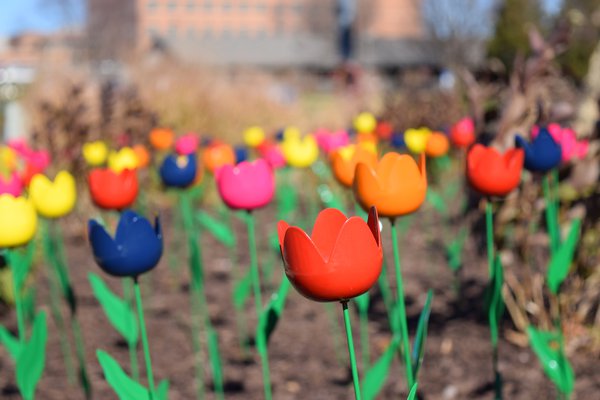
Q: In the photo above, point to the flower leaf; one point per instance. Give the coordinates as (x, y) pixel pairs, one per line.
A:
(562, 259)
(162, 390)
(10, 342)
(421, 336)
(215, 356)
(242, 290)
(32, 358)
(547, 347)
(376, 376)
(454, 250)
(117, 310)
(494, 298)
(362, 302)
(218, 229)
(437, 201)
(270, 316)
(125, 387)
(413, 392)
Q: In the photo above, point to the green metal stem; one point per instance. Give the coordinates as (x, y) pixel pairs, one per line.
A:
(489, 230)
(551, 217)
(18, 305)
(133, 359)
(262, 347)
(402, 308)
(80, 351)
(140, 310)
(337, 345)
(355, 378)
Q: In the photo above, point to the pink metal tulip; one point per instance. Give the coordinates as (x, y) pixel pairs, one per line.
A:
(186, 144)
(12, 186)
(272, 154)
(247, 186)
(331, 141)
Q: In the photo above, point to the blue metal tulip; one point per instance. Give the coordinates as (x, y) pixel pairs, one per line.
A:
(136, 248)
(397, 140)
(178, 171)
(241, 153)
(542, 154)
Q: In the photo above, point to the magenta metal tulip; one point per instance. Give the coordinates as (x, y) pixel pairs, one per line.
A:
(246, 186)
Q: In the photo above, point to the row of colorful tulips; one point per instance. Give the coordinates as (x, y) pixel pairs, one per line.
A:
(341, 260)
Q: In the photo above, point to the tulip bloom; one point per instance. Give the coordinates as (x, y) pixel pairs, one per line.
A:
(111, 190)
(187, 144)
(365, 122)
(384, 130)
(246, 186)
(340, 260)
(217, 155)
(179, 171)
(462, 133)
(18, 220)
(492, 173)
(241, 153)
(331, 141)
(254, 136)
(142, 155)
(272, 154)
(12, 186)
(542, 154)
(567, 139)
(437, 145)
(344, 161)
(36, 162)
(161, 138)
(300, 152)
(126, 158)
(8, 158)
(53, 199)
(416, 139)
(396, 186)
(95, 153)
(135, 249)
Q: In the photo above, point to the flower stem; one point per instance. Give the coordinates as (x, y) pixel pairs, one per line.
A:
(140, 310)
(489, 230)
(133, 361)
(262, 347)
(355, 378)
(402, 307)
(551, 218)
(17, 296)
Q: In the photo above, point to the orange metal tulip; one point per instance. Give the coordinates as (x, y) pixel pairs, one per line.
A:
(437, 145)
(161, 138)
(345, 159)
(396, 186)
(217, 155)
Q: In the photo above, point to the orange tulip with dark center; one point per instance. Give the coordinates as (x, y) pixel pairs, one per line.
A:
(396, 186)
(161, 138)
(340, 260)
(437, 145)
(344, 160)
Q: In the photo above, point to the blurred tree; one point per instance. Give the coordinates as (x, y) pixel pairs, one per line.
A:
(515, 18)
(584, 19)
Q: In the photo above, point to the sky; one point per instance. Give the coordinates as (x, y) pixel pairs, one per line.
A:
(47, 15)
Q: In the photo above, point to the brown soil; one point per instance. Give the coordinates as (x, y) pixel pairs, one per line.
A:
(302, 356)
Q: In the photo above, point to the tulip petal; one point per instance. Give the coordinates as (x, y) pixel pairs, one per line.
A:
(300, 255)
(373, 223)
(282, 228)
(326, 229)
(104, 247)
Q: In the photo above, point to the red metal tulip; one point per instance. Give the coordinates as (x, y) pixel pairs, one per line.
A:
(111, 190)
(492, 173)
(340, 260)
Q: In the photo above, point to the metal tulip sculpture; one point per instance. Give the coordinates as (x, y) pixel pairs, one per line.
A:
(339, 261)
(249, 186)
(494, 174)
(135, 249)
(18, 224)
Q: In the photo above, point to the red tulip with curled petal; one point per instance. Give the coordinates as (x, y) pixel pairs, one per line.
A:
(492, 173)
(111, 190)
(340, 260)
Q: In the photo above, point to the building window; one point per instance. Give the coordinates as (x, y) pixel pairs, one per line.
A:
(208, 5)
(244, 6)
(226, 6)
(191, 5)
(172, 5)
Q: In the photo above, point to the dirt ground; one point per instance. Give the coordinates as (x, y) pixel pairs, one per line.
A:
(302, 352)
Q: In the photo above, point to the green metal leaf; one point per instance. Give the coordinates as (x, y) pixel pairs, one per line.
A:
(454, 250)
(421, 336)
(287, 200)
(561, 261)
(215, 357)
(494, 298)
(329, 198)
(274, 241)
(117, 310)
(549, 350)
(376, 376)
(362, 302)
(272, 312)
(242, 290)
(21, 262)
(220, 230)
(162, 390)
(413, 392)
(32, 358)
(28, 304)
(10, 343)
(125, 387)
(437, 201)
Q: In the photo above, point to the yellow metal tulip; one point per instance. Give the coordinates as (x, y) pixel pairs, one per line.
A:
(18, 220)
(8, 158)
(416, 139)
(126, 158)
(53, 199)
(365, 122)
(254, 136)
(300, 152)
(95, 153)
